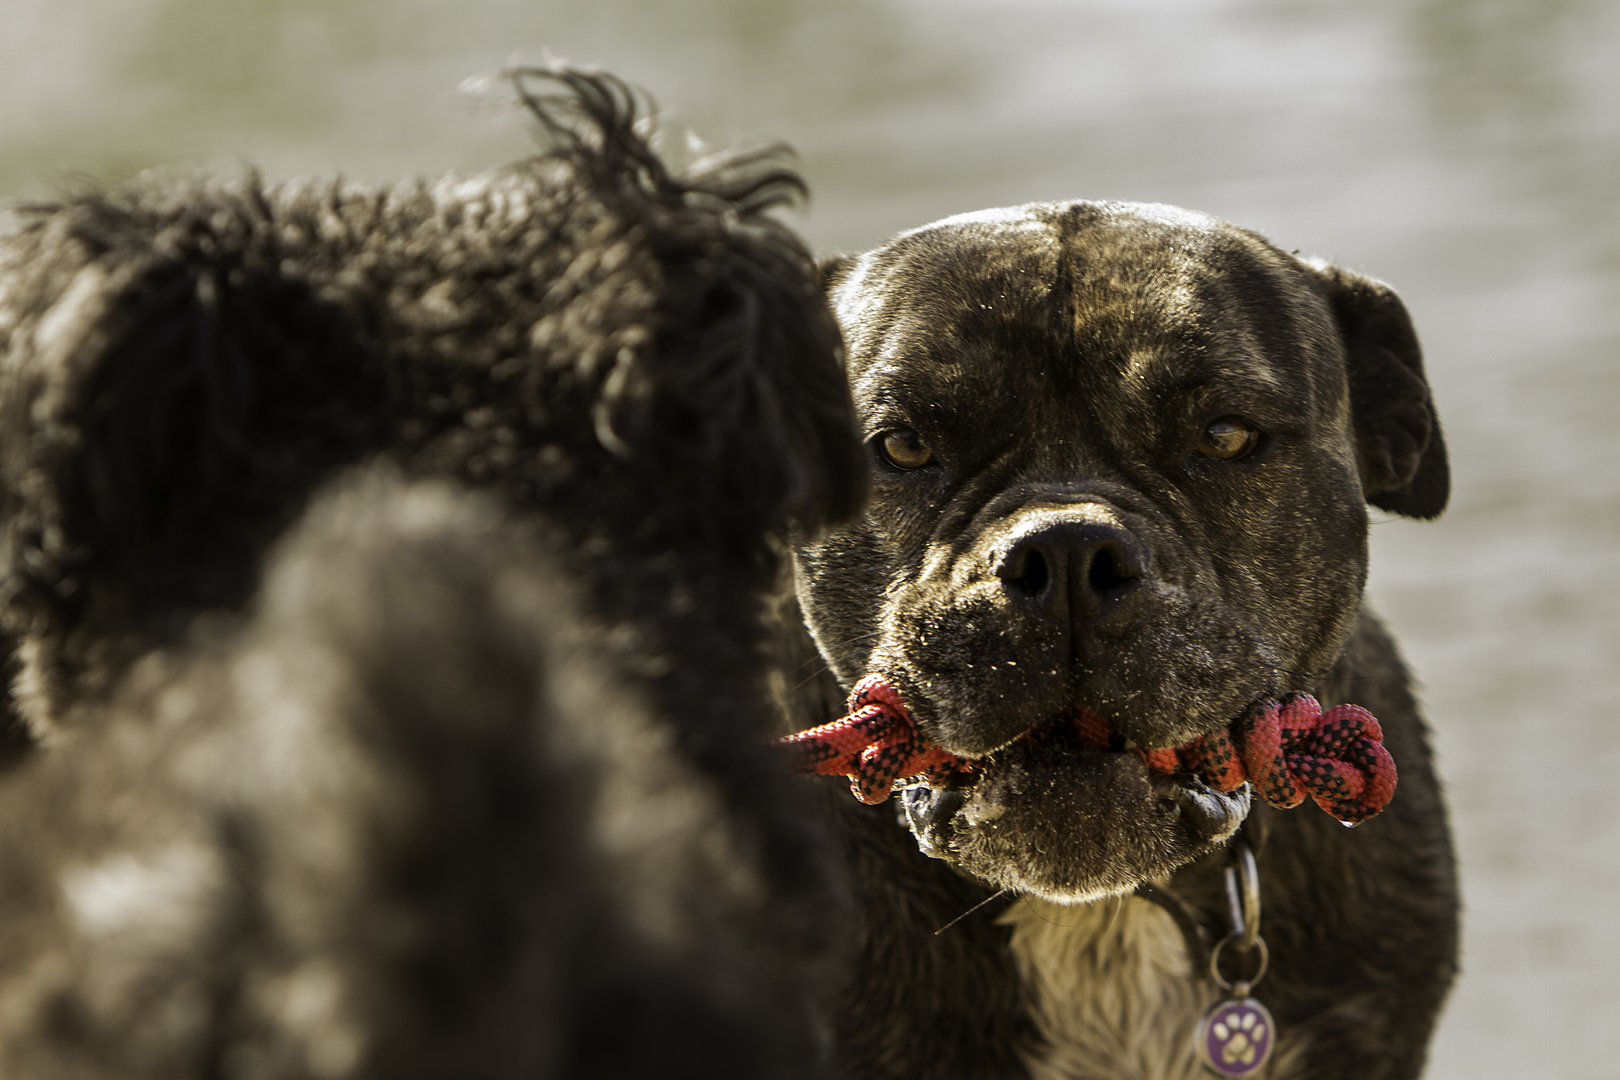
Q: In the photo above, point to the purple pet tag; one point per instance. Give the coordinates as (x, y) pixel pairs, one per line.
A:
(1235, 1037)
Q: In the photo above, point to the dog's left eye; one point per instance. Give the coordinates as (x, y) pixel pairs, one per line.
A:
(904, 449)
(1228, 439)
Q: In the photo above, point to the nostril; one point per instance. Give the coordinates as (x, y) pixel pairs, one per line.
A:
(1032, 582)
(1072, 566)
(1110, 576)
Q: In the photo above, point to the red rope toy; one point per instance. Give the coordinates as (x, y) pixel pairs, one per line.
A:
(1287, 749)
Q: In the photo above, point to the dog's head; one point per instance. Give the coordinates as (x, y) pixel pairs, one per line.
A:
(639, 354)
(1120, 458)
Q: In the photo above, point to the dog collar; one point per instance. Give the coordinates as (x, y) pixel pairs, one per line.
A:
(1235, 1036)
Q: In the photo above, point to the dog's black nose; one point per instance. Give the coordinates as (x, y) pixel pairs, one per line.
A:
(1081, 568)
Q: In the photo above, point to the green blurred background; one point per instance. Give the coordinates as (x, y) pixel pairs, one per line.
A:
(1464, 150)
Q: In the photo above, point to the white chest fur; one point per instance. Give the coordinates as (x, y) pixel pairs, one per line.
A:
(1112, 991)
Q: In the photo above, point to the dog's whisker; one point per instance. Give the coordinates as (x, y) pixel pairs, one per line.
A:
(993, 896)
(1035, 911)
(822, 667)
(860, 637)
(1116, 904)
(812, 677)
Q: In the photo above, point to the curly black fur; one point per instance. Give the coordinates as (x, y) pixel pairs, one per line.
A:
(474, 779)
(187, 362)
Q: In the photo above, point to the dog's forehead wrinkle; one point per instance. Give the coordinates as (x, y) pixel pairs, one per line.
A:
(1145, 367)
(1233, 359)
(961, 410)
(898, 388)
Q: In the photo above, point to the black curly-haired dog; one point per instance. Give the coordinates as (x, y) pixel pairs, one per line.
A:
(386, 572)
(1121, 457)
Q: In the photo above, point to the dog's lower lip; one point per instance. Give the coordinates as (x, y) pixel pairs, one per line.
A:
(1210, 814)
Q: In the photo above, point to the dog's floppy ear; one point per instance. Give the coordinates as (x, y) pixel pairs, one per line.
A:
(800, 401)
(740, 392)
(1399, 448)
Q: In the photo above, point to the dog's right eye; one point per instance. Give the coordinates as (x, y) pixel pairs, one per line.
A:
(1228, 438)
(904, 449)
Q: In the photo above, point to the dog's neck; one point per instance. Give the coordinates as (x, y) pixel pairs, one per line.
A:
(1111, 990)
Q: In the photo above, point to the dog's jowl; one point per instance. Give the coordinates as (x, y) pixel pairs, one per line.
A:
(1121, 457)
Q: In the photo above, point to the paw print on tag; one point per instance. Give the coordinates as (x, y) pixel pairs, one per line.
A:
(1235, 1037)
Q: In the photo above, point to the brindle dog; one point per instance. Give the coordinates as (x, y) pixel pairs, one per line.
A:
(1121, 457)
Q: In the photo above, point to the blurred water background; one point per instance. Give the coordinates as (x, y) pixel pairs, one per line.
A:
(1464, 150)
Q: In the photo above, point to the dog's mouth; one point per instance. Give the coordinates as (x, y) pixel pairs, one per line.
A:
(1042, 766)
(1071, 810)
(1072, 762)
